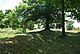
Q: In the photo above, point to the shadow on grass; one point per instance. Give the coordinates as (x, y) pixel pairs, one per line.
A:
(73, 34)
(42, 42)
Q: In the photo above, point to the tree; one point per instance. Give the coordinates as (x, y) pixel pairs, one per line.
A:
(50, 9)
(24, 12)
(43, 9)
(1, 17)
(11, 19)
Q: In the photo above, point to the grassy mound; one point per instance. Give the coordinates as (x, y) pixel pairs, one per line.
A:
(44, 42)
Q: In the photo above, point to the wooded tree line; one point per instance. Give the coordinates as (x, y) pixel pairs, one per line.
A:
(30, 11)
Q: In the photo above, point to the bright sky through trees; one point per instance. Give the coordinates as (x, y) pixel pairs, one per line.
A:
(8, 4)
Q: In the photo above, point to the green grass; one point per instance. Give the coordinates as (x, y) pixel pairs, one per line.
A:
(6, 35)
(44, 42)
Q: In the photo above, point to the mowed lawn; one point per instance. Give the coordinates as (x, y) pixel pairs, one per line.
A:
(43, 42)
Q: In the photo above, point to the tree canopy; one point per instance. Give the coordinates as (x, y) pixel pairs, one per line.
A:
(33, 10)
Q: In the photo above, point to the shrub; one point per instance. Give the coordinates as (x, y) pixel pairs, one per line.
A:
(30, 25)
(69, 25)
(11, 31)
(18, 31)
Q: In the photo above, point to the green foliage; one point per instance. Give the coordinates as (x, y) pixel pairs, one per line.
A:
(69, 25)
(18, 31)
(1, 17)
(44, 9)
(11, 19)
(11, 31)
(30, 25)
(50, 10)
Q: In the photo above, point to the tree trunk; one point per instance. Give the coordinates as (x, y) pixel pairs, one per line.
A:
(63, 19)
(47, 24)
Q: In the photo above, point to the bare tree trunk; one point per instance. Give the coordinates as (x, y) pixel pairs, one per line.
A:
(47, 24)
(63, 19)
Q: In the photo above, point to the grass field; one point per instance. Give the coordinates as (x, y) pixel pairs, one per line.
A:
(43, 42)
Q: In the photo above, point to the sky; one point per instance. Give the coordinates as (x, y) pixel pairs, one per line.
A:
(8, 4)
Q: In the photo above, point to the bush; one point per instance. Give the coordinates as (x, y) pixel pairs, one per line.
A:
(30, 25)
(69, 25)
(11, 31)
(6, 30)
(18, 31)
